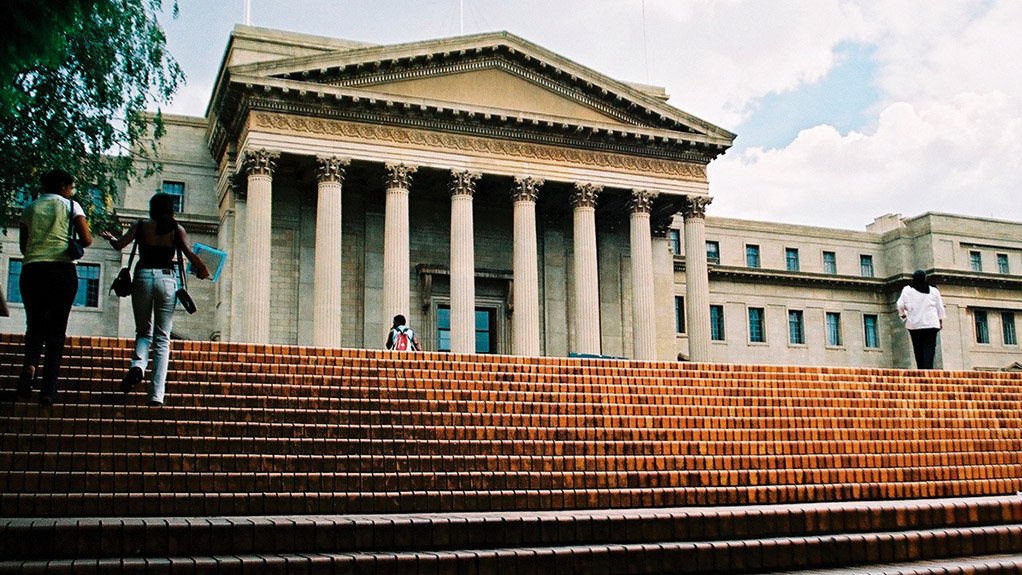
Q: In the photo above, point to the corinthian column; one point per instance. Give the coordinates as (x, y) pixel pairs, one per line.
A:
(396, 265)
(697, 282)
(463, 274)
(259, 164)
(326, 278)
(587, 287)
(643, 313)
(525, 321)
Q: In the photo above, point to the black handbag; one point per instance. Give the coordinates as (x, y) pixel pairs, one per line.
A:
(75, 249)
(182, 292)
(122, 285)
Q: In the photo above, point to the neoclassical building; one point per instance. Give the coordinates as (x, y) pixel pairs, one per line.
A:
(509, 200)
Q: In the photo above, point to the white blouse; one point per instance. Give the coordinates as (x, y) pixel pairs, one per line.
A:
(921, 310)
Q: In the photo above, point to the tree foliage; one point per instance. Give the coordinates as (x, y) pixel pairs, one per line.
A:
(74, 95)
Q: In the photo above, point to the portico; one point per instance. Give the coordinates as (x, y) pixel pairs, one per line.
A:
(370, 186)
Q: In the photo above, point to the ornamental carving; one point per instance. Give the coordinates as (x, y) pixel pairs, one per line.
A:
(261, 162)
(695, 206)
(585, 195)
(526, 189)
(399, 176)
(492, 146)
(641, 201)
(660, 225)
(331, 169)
(463, 183)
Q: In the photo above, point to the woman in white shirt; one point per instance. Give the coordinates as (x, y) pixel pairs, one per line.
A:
(922, 309)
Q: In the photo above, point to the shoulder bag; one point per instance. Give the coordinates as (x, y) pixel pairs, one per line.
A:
(122, 285)
(182, 292)
(75, 249)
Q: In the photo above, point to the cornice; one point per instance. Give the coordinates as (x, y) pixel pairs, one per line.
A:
(192, 223)
(427, 139)
(940, 277)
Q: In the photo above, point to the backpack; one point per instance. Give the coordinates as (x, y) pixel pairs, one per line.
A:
(403, 339)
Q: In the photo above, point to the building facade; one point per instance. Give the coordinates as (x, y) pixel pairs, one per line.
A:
(509, 200)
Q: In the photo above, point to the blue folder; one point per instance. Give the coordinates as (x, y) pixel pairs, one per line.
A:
(212, 257)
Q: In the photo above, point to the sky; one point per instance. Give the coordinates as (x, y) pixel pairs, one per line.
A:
(845, 110)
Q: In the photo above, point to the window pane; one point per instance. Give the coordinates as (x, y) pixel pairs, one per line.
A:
(829, 263)
(756, 333)
(679, 314)
(717, 323)
(177, 190)
(752, 256)
(833, 329)
(14, 281)
(796, 330)
(675, 238)
(866, 266)
(713, 252)
(982, 330)
(484, 332)
(1008, 328)
(482, 342)
(443, 328)
(871, 333)
(1002, 263)
(88, 286)
(976, 261)
(791, 259)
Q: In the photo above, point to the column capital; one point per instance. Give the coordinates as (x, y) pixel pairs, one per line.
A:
(399, 175)
(695, 206)
(526, 189)
(641, 201)
(331, 168)
(661, 225)
(260, 162)
(585, 195)
(463, 183)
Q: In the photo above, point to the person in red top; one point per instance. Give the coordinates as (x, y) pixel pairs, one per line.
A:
(401, 337)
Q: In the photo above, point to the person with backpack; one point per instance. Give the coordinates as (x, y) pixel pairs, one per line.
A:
(401, 337)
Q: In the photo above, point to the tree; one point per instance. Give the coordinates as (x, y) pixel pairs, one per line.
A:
(74, 94)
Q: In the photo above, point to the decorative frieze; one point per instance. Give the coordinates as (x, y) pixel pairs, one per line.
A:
(585, 195)
(261, 162)
(526, 189)
(463, 183)
(431, 140)
(695, 206)
(641, 201)
(399, 176)
(331, 169)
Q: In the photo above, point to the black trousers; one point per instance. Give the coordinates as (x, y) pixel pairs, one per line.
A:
(48, 291)
(924, 344)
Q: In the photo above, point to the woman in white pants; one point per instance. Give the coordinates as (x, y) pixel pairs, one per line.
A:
(154, 289)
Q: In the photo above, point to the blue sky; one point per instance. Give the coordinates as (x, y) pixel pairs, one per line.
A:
(873, 106)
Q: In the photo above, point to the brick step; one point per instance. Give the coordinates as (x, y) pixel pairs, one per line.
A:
(210, 395)
(439, 462)
(977, 565)
(137, 504)
(115, 537)
(511, 479)
(567, 428)
(82, 442)
(371, 410)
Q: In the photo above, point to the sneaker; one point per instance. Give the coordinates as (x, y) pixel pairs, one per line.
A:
(154, 403)
(131, 379)
(25, 384)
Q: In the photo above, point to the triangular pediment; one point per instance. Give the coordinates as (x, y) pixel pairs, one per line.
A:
(494, 88)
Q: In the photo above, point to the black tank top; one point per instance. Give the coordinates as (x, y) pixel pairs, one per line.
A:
(156, 257)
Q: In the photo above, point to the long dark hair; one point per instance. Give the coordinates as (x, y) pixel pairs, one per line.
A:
(919, 282)
(161, 211)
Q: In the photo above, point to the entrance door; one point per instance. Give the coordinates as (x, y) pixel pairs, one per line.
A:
(486, 329)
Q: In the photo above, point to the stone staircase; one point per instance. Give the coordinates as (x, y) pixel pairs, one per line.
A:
(291, 459)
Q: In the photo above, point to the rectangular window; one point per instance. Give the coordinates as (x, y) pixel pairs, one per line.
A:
(177, 191)
(717, 322)
(796, 327)
(443, 328)
(833, 329)
(976, 261)
(866, 266)
(675, 238)
(757, 333)
(1002, 264)
(752, 256)
(88, 284)
(791, 259)
(679, 314)
(871, 331)
(982, 329)
(484, 331)
(1008, 328)
(713, 252)
(829, 263)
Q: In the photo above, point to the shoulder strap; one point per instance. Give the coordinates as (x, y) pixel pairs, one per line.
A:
(70, 219)
(181, 269)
